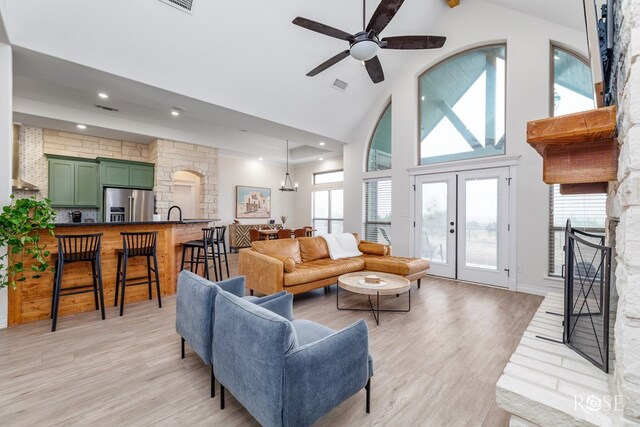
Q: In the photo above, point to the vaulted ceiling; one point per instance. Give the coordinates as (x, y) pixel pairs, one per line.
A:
(234, 65)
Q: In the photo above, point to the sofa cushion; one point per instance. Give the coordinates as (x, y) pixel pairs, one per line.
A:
(279, 247)
(372, 248)
(289, 264)
(313, 248)
(395, 264)
(322, 269)
(282, 305)
(308, 331)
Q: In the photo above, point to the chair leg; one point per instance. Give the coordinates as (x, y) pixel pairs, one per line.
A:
(368, 389)
(125, 261)
(56, 297)
(115, 301)
(419, 280)
(181, 348)
(251, 292)
(213, 383)
(221, 396)
(149, 277)
(100, 288)
(157, 275)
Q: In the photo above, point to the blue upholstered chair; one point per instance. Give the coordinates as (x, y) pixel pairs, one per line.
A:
(286, 372)
(195, 311)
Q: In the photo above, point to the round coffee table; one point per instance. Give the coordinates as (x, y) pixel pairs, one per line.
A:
(393, 285)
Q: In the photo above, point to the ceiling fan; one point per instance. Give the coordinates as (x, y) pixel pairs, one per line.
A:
(365, 44)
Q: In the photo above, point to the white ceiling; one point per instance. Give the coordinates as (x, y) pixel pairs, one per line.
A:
(233, 65)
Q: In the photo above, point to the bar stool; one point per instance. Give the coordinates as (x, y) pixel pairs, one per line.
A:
(77, 248)
(204, 245)
(219, 240)
(137, 245)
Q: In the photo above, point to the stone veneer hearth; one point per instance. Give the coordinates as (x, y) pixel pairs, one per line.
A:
(168, 156)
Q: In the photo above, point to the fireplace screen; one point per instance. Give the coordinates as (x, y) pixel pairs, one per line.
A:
(587, 280)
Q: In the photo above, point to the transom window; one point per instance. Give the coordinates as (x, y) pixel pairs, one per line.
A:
(462, 107)
(328, 177)
(572, 91)
(379, 157)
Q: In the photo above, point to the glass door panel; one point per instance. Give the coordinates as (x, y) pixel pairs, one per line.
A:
(481, 236)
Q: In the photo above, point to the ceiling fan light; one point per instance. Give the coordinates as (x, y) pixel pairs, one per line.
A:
(364, 50)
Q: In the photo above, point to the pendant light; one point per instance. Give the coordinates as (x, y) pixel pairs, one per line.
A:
(287, 184)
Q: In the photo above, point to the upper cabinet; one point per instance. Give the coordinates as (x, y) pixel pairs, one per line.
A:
(122, 173)
(73, 182)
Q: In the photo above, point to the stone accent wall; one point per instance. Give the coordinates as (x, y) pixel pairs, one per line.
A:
(168, 156)
(79, 145)
(171, 157)
(624, 203)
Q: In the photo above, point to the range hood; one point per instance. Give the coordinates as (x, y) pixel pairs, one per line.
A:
(16, 182)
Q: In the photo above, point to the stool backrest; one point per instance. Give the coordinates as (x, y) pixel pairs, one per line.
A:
(140, 244)
(220, 231)
(80, 247)
(208, 235)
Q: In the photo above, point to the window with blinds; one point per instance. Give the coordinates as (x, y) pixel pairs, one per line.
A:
(377, 211)
(572, 92)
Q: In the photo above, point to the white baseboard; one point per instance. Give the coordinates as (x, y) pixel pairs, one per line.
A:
(528, 289)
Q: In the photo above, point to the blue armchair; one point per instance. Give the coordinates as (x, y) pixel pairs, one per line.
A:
(287, 373)
(195, 312)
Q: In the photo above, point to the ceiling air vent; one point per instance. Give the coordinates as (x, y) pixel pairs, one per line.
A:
(183, 5)
(340, 85)
(104, 107)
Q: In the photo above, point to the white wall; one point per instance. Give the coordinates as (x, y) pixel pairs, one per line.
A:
(528, 42)
(238, 171)
(304, 175)
(6, 134)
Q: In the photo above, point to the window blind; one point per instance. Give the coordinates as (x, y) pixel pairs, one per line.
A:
(377, 210)
(586, 212)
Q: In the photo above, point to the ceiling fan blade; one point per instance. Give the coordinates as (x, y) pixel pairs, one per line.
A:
(413, 42)
(374, 68)
(385, 12)
(328, 63)
(322, 29)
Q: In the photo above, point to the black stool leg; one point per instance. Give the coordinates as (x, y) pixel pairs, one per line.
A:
(155, 268)
(56, 298)
(94, 280)
(206, 261)
(53, 293)
(115, 301)
(125, 261)
(226, 260)
(368, 389)
(219, 254)
(213, 258)
(149, 277)
(100, 290)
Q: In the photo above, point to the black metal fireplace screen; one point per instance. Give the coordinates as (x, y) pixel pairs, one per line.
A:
(587, 288)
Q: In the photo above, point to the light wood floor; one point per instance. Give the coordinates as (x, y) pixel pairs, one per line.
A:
(436, 365)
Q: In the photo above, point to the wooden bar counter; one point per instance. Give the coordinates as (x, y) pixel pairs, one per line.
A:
(31, 300)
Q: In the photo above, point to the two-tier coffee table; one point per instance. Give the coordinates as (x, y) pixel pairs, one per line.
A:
(392, 285)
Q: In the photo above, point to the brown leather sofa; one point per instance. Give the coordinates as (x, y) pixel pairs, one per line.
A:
(300, 265)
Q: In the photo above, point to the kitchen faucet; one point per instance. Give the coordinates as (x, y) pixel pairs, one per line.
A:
(169, 213)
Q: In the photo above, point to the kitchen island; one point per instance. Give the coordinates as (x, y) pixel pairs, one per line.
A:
(31, 300)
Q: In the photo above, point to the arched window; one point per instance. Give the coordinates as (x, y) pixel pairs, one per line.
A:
(379, 157)
(462, 106)
(572, 91)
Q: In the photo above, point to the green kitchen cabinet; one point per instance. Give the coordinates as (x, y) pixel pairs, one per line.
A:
(86, 184)
(73, 183)
(127, 174)
(61, 182)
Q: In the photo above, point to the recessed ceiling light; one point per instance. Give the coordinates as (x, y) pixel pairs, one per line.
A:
(103, 95)
(79, 126)
(175, 113)
(321, 158)
(260, 158)
(321, 143)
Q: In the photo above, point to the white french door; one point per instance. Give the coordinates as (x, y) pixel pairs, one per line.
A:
(462, 224)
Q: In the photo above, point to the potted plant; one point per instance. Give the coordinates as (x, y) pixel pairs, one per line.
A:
(20, 225)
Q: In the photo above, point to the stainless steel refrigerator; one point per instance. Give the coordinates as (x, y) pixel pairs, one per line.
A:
(127, 205)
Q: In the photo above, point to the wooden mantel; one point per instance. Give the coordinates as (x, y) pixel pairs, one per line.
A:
(580, 151)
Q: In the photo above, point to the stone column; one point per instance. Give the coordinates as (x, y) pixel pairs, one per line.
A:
(6, 135)
(624, 202)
